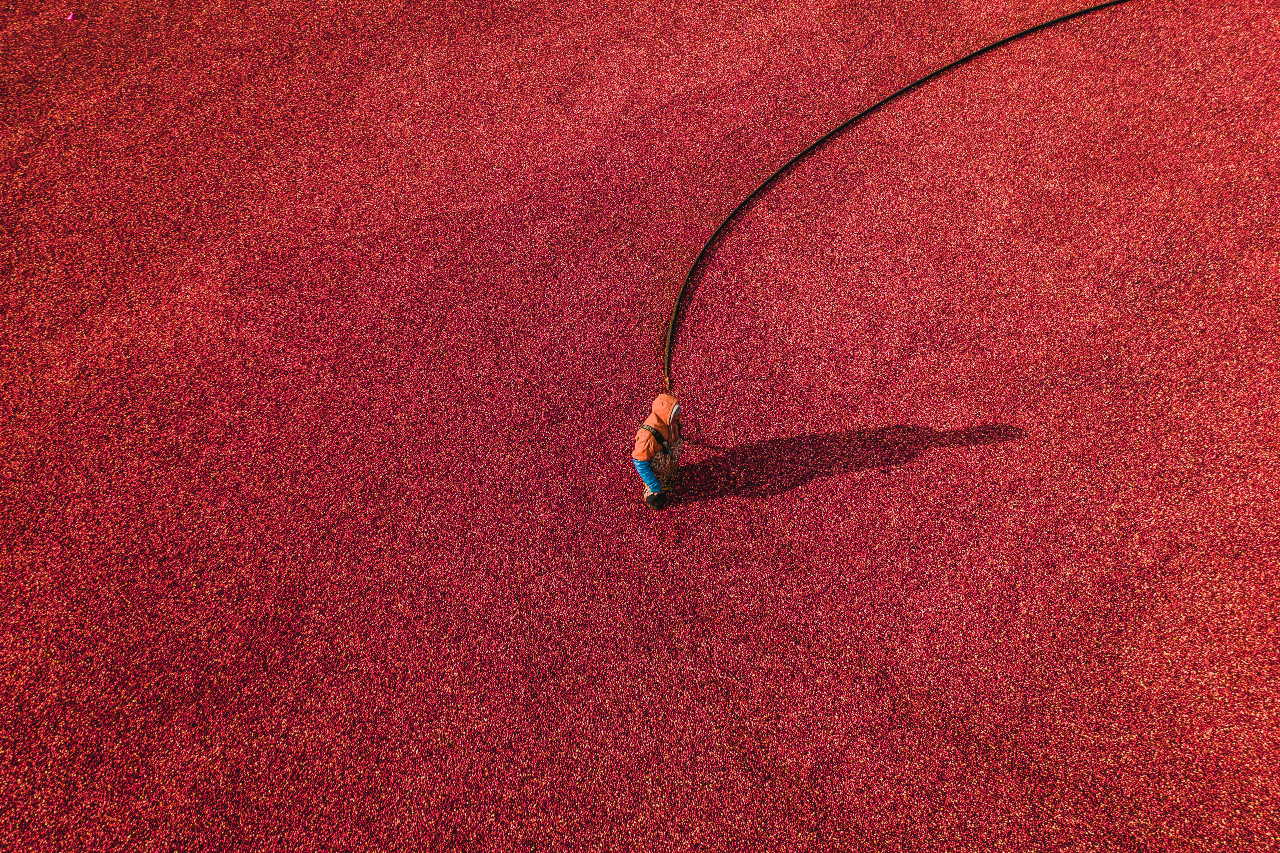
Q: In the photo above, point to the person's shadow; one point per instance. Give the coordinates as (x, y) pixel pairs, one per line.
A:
(771, 467)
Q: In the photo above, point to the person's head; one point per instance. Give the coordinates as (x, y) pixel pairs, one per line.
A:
(667, 408)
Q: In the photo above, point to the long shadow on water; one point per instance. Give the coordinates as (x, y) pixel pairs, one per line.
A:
(777, 465)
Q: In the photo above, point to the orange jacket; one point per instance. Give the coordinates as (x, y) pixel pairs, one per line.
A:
(660, 418)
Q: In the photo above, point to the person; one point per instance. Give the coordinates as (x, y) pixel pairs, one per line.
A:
(657, 450)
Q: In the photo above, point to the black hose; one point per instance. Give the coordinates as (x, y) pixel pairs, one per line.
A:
(790, 164)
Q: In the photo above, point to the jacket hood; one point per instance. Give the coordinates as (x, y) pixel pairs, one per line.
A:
(663, 406)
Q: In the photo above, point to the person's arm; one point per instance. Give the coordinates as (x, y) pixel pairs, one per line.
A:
(645, 470)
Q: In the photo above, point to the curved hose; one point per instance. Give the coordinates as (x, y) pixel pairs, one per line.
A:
(790, 164)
